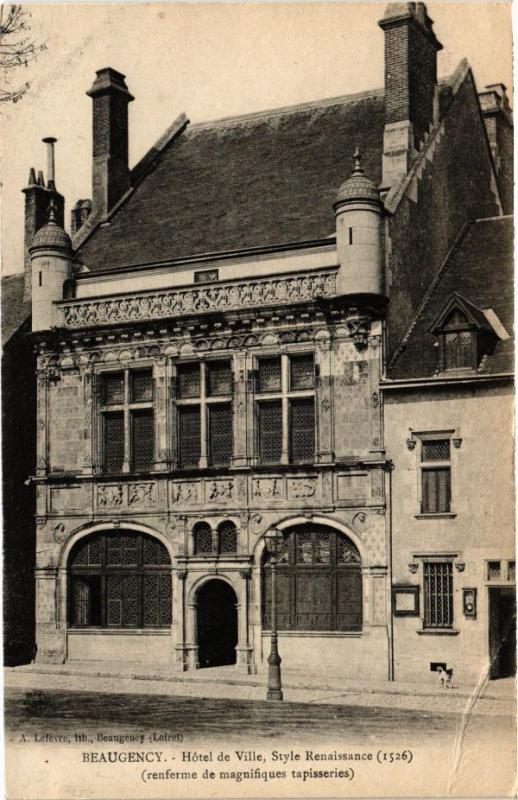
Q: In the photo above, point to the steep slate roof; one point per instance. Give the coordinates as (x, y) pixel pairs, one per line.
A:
(15, 310)
(481, 271)
(262, 179)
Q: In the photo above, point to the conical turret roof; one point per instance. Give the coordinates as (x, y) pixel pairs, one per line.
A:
(51, 234)
(357, 186)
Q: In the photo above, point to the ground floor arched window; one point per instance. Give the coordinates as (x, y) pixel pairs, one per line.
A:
(318, 582)
(119, 580)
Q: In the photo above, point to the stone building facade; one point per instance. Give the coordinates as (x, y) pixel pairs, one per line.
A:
(218, 348)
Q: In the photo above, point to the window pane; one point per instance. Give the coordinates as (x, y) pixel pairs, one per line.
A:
(438, 594)
(142, 439)
(113, 442)
(220, 435)
(157, 600)
(227, 537)
(85, 599)
(459, 349)
(122, 549)
(493, 570)
(511, 571)
(219, 378)
(270, 374)
(141, 386)
(122, 601)
(270, 432)
(189, 380)
(154, 552)
(189, 448)
(113, 388)
(302, 430)
(436, 450)
(349, 601)
(435, 490)
(87, 552)
(302, 372)
(202, 535)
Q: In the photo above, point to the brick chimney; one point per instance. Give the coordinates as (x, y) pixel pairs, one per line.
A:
(110, 172)
(411, 98)
(498, 119)
(38, 198)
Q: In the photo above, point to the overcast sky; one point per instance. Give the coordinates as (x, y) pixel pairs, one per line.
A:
(210, 61)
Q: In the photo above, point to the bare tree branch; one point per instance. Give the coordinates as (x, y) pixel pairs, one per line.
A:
(17, 49)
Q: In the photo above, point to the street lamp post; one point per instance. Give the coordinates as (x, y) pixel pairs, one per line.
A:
(274, 692)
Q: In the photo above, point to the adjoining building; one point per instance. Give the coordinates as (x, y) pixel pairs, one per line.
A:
(241, 335)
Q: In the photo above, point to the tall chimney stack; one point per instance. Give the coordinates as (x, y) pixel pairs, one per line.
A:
(50, 141)
(110, 172)
(411, 95)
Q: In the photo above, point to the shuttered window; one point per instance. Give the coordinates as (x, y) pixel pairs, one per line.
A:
(435, 476)
(318, 582)
(438, 594)
(119, 580)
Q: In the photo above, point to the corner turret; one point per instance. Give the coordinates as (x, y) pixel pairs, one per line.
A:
(51, 257)
(358, 210)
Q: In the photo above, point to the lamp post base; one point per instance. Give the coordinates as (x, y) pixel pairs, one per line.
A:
(274, 691)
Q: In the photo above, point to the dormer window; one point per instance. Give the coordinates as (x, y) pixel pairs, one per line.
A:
(459, 343)
(465, 334)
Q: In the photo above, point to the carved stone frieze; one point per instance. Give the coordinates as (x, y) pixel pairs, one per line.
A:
(109, 496)
(217, 491)
(267, 489)
(141, 494)
(184, 492)
(177, 302)
(301, 488)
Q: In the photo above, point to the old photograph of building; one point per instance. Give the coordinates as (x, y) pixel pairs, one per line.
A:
(258, 398)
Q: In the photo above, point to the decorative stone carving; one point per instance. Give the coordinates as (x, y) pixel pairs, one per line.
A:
(141, 494)
(246, 574)
(176, 302)
(181, 574)
(325, 405)
(185, 492)
(219, 490)
(460, 566)
(300, 488)
(109, 495)
(413, 567)
(267, 489)
(58, 532)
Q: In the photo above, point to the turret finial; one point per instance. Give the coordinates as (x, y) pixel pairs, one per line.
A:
(357, 158)
(52, 210)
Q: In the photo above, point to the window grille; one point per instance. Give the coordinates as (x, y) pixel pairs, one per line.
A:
(219, 378)
(188, 380)
(141, 386)
(436, 450)
(220, 435)
(130, 586)
(189, 433)
(113, 442)
(494, 570)
(302, 430)
(317, 588)
(438, 594)
(270, 375)
(227, 537)
(113, 386)
(142, 434)
(202, 535)
(302, 372)
(270, 432)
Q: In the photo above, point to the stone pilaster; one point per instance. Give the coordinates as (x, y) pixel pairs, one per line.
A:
(239, 458)
(324, 403)
(244, 650)
(160, 415)
(50, 634)
(42, 432)
(88, 379)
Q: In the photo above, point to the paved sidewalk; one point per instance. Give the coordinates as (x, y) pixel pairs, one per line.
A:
(495, 698)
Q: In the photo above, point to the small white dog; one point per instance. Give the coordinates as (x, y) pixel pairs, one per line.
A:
(445, 676)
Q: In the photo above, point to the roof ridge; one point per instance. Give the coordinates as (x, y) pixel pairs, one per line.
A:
(273, 112)
(461, 235)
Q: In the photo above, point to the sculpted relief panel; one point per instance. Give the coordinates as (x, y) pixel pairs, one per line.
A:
(175, 302)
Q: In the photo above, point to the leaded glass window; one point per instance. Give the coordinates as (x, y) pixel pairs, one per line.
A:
(127, 421)
(227, 537)
(438, 594)
(220, 435)
(270, 432)
(270, 374)
(188, 380)
(189, 433)
(202, 536)
(302, 430)
(302, 372)
(318, 580)
(219, 378)
(119, 580)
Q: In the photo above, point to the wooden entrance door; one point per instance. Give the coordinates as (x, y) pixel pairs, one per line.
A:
(502, 632)
(217, 624)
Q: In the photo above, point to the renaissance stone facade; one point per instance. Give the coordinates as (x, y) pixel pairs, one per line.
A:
(219, 358)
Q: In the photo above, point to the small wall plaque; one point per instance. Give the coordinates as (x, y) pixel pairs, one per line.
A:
(405, 600)
(206, 276)
(469, 602)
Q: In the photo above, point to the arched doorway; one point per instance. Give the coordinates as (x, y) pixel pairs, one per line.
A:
(217, 624)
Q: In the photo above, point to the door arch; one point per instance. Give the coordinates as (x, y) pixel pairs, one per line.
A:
(216, 624)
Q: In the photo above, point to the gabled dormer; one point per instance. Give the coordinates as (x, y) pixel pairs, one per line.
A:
(465, 334)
